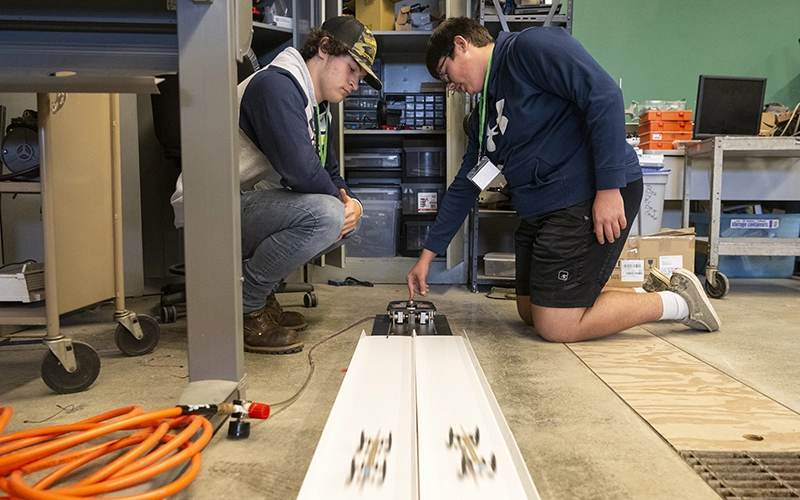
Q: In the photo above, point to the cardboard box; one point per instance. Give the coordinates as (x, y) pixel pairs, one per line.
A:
(768, 121)
(667, 250)
(403, 22)
(376, 15)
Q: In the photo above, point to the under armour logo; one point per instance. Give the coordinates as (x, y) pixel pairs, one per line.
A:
(499, 128)
(563, 275)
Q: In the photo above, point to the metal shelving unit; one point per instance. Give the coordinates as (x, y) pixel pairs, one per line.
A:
(401, 54)
(495, 21)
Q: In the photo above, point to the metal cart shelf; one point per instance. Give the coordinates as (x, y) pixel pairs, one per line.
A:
(82, 235)
(717, 149)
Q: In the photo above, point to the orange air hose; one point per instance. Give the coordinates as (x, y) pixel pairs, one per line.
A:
(161, 440)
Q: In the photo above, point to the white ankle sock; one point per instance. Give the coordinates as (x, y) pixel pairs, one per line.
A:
(675, 306)
(639, 290)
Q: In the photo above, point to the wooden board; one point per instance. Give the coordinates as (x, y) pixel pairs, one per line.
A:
(691, 404)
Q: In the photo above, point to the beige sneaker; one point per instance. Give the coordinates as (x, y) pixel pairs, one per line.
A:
(656, 281)
(701, 315)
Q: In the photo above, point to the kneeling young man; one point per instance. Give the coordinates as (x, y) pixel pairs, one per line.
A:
(553, 120)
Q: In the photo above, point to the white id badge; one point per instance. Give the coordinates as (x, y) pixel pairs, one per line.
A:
(483, 173)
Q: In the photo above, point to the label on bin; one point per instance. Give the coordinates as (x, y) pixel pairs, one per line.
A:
(631, 270)
(427, 202)
(754, 223)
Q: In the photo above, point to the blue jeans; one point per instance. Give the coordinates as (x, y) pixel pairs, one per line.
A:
(281, 231)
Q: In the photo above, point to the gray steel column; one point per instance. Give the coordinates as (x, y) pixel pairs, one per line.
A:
(207, 49)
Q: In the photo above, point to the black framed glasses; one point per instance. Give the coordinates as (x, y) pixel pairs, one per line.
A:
(443, 76)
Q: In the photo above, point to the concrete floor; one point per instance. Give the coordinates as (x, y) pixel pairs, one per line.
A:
(579, 439)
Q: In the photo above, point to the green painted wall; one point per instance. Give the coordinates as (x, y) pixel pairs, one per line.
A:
(660, 47)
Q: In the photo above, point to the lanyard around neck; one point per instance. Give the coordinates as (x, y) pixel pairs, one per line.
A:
(483, 105)
(322, 142)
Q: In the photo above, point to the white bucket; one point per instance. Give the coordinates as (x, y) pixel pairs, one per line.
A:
(651, 210)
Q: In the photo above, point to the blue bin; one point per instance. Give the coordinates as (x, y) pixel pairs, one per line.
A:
(750, 226)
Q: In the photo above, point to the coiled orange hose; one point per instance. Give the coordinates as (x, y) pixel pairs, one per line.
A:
(162, 440)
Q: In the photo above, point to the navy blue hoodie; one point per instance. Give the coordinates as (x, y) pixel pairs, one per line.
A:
(560, 136)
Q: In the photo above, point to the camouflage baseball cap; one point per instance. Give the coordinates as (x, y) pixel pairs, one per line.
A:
(359, 40)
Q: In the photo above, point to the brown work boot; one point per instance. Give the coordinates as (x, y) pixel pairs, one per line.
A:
(288, 319)
(264, 336)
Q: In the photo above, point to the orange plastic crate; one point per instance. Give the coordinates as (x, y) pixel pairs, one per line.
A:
(646, 146)
(676, 126)
(656, 115)
(663, 136)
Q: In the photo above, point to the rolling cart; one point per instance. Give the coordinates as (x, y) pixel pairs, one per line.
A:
(717, 149)
(81, 194)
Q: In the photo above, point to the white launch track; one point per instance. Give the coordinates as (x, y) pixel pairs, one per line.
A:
(417, 389)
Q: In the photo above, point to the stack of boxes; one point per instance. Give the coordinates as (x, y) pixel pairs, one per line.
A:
(370, 173)
(423, 187)
(398, 188)
(658, 129)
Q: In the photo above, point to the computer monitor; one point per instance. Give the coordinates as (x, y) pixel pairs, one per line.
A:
(728, 105)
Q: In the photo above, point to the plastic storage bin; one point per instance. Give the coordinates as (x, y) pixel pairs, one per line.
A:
(651, 209)
(499, 264)
(377, 234)
(424, 161)
(750, 226)
(414, 235)
(382, 158)
(368, 193)
(421, 199)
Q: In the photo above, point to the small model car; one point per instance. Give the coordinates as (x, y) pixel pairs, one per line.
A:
(471, 462)
(369, 462)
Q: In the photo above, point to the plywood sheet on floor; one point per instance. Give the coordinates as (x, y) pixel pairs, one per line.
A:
(691, 404)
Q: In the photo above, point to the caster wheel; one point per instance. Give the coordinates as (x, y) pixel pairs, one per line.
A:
(310, 299)
(169, 314)
(129, 344)
(60, 380)
(723, 286)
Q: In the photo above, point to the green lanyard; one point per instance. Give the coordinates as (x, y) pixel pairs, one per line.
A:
(322, 142)
(483, 106)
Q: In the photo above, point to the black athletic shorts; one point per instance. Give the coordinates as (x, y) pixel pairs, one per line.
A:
(560, 263)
